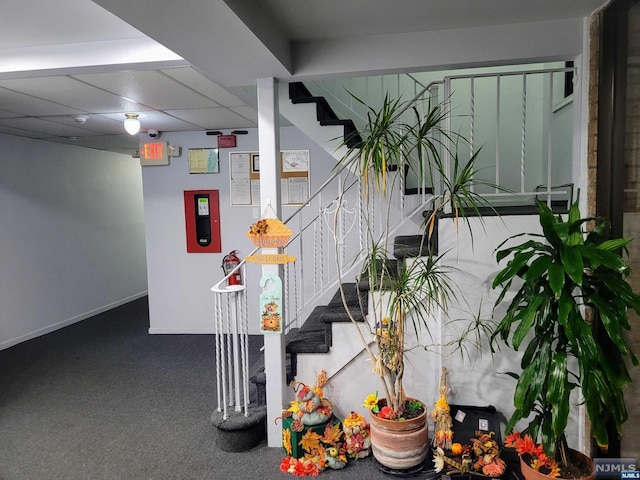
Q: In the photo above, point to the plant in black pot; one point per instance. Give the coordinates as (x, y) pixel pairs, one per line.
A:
(568, 279)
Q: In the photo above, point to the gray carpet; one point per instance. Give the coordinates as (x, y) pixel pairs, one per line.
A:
(102, 399)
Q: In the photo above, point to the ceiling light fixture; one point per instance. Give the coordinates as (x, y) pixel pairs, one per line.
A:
(131, 123)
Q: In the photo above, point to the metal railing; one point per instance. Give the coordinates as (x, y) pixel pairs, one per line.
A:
(331, 227)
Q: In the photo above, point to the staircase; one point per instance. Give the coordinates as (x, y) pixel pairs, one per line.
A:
(316, 334)
(325, 115)
(320, 334)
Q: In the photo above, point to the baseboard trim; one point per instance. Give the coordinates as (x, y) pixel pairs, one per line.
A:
(70, 321)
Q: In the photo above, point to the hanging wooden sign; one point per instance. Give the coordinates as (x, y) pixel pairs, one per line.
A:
(271, 304)
(271, 259)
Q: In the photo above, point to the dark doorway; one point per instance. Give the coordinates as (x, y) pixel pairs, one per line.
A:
(618, 172)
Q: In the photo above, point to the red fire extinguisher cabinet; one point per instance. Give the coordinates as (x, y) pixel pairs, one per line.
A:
(202, 221)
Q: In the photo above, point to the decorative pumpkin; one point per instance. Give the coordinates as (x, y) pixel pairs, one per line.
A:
(456, 449)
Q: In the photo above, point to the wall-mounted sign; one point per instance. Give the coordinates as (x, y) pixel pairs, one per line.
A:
(204, 160)
(271, 304)
(226, 141)
(271, 258)
(245, 177)
(154, 153)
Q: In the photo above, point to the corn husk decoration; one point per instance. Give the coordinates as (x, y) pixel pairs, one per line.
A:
(441, 417)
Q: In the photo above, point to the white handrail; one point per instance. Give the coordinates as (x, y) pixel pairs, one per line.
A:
(312, 278)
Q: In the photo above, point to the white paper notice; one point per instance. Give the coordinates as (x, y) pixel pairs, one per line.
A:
(298, 190)
(255, 192)
(284, 191)
(295, 161)
(239, 166)
(240, 192)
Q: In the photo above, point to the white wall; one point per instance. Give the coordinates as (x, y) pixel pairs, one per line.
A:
(180, 300)
(72, 235)
(475, 376)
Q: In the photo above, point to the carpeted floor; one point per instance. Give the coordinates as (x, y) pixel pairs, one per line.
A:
(103, 399)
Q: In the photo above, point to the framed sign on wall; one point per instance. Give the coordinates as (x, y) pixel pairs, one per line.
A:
(245, 177)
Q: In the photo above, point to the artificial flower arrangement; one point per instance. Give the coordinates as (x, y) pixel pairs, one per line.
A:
(309, 407)
(259, 228)
(412, 408)
(314, 439)
(532, 454)
(357, 441)
(480, 457)
(269, 233)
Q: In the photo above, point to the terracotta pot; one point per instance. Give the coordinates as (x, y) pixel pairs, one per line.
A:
(530, 474)
(399, 444)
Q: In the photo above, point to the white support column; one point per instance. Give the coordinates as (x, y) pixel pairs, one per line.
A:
(269, 147)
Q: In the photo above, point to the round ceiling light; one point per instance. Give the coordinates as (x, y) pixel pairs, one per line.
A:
(131, 123)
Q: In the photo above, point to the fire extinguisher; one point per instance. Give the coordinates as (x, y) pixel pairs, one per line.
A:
(229, 262)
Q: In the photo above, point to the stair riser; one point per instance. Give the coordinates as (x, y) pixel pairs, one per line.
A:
(346, 346)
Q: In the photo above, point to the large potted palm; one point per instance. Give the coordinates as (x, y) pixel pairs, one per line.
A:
(403, 295)
(567, 280)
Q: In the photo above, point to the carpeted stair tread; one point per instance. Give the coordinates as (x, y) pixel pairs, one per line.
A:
(298, 93)
(410, 246)
(312, 336)
(363, 280)
(356, 301)
(351, 135)
(338, 314)
(352, 292)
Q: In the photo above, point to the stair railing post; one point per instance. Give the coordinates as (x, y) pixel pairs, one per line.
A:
(269, 147)
(235, 338)
(218, 332)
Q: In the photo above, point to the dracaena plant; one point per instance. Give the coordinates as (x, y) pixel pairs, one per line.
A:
(399, 138)
(568, 279)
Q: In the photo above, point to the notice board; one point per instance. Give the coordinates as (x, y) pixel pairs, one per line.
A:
(244, 170)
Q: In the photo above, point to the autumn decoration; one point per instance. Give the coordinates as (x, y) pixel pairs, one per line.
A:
(313, 438)
(481, 456)
(533, 454)
(269, 233)
(441, 416)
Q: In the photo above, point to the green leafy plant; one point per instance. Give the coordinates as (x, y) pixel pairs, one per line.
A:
(413, 408)
(398, 138)
(568, 279)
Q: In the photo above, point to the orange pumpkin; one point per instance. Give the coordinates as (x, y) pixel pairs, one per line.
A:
(456, 448)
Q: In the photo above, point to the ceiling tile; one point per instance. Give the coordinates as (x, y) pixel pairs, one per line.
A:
(27, 105)
(195, 80)
(247, 112)
(211, 118)
(9, 130)
(70, 92)
(4, 114)
(149, 87)
(158, 120)
(110, 125)
(43, 126)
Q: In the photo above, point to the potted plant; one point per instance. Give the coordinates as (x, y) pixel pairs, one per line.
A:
(568, 279)
(399, 139)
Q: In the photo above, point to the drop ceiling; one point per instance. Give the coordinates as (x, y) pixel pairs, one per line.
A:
(70, 73)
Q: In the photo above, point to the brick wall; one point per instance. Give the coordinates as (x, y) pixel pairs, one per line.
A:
(592, 128)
